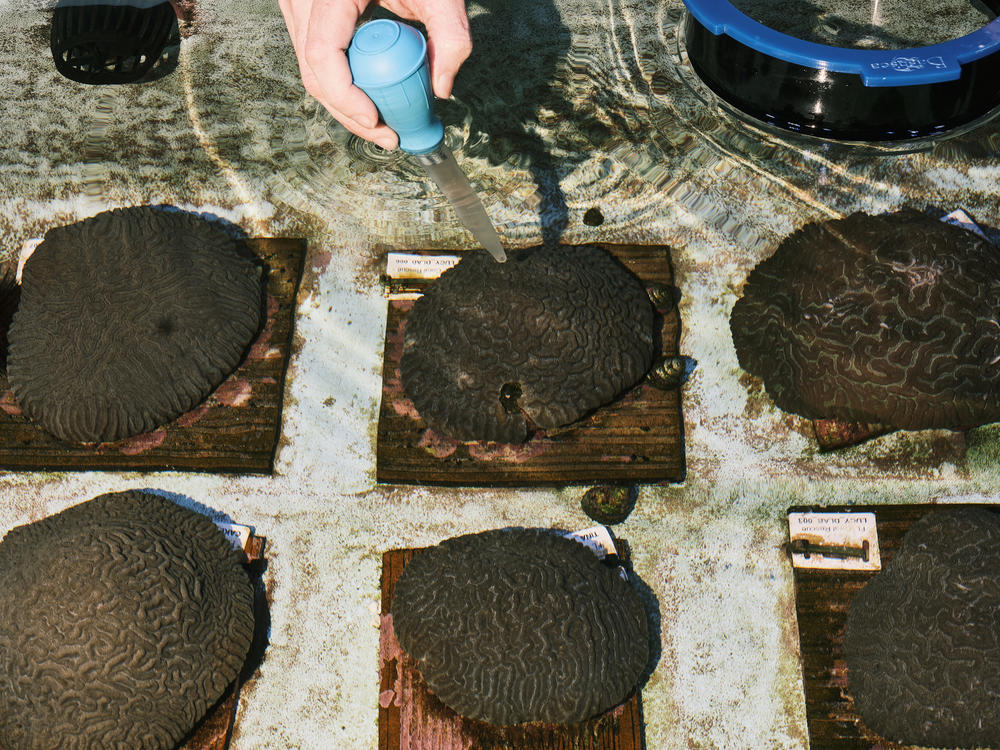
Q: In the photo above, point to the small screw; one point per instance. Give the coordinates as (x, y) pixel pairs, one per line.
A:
(807, 548)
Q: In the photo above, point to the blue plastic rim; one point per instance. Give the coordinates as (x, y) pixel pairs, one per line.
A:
(838, 92)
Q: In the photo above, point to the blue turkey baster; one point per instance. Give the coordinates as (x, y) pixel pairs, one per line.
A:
(388, 62)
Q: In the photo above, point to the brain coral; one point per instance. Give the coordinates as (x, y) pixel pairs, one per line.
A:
(882, 319)
(547, 337)
(127, 320)
(122, 620)
(515, 626)
(923, 637)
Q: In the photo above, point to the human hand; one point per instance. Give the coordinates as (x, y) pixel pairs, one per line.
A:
(321, 32)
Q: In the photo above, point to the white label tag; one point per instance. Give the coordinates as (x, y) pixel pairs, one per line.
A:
(403, 296)
(959, 218)
(834, 541)
(409, 266)
(237, 534)
(26, 250)
(598, 540)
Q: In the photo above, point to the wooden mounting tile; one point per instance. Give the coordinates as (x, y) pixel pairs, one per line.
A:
(822, 601)
(215, 730)
(638, 438)
(235, 430)
(409, 716)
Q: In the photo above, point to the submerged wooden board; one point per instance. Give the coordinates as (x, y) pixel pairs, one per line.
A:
(409, 716)
(638, 438)
(822, 601)
(215, 730)
(235, 430)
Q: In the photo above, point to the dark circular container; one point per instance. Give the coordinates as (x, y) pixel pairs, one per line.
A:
(102, 44)
(843, 93)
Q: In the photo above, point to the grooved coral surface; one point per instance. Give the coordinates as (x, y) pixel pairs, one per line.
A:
(122, 620)
(923, 637)
(888, 319)
(516, 626)
(127, 320)
(548, 336)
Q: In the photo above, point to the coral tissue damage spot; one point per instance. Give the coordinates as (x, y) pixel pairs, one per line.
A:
(123, 620)
(922, 641)
(517, 626)
(128, 320)
(890, 319)
(568, 328)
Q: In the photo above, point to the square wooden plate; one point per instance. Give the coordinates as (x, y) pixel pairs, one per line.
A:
(637, 438)
(410, 716)
(822, 601)
(215, 730)
(235, 430)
